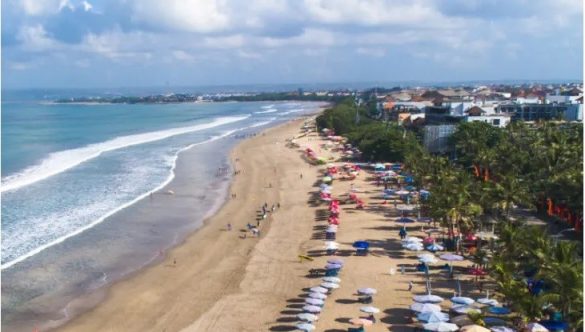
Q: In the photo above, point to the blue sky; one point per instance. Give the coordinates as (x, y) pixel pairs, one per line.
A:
(107, 43)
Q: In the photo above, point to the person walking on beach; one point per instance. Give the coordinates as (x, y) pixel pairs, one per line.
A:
(410, 286)
(301, 176)
(229, 227)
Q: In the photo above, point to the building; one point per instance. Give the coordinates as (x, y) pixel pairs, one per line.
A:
(535, 112)
(436, 137)
(500, 120)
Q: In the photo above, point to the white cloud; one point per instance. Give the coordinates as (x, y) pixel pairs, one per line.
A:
(182, 55)
(20, 65)
(87, 6)
(36, 39)
(40, 7)
(200, 16)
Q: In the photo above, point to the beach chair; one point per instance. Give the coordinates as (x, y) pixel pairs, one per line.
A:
(361, 251)
(365, 299)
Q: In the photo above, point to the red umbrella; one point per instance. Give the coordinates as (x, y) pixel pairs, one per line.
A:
(429, 240)
(477, 272)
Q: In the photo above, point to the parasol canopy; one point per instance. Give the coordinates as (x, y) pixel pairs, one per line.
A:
(428, 298)
(451, 257)
(307, 317)
(462, 300)
(424, 307)
(440, 327)
(433, 317)
(367, 291)
(370, 310)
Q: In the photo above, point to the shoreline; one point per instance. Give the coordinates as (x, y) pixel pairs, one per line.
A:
(99, 298)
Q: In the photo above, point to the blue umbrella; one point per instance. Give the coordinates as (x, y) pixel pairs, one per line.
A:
(433, 317)
(405, 220)
(554, 325)
(499, 310)
(361, 244)
(435, 247)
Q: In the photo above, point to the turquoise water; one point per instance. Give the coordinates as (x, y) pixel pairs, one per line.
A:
(65, 166)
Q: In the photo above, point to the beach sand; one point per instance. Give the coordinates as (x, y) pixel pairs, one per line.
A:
(221, 282)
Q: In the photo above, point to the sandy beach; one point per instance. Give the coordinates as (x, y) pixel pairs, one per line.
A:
(218, 281)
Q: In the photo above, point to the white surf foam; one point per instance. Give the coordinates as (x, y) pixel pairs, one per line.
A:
(270, 110)
(125, 205)
(267, 106)
(61, 161)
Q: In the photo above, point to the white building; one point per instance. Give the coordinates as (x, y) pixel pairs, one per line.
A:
(500, 120)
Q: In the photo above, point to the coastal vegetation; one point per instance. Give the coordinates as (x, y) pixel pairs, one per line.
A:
(495, 171)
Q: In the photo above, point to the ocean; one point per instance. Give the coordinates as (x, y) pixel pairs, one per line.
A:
(73, 176)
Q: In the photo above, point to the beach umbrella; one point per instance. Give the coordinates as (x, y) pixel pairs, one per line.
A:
(474, 328)
(405, 220)
(424, 307)
(463, 309)
(361, 244)
(311, 308)
(330, 285)
(462, 320)
(307, 317)
(360, 322)
(428, 260)
(426, 255)
(499, 310)
(318, 289)
(332, 279)
(402, 192)
(370, 310)
(335, 261)
(428, 298)
(451, 257)
(501, 329)
(305, 327)
(412, 239)
(440, 327)
(331, 246)
(535, 327)
(413, 246)
(367, 291)
(462, 300)
(312, 301)
(320, 296)
(327, 179)
(435, 247)
(424, 219)
(433, 317)
(554, 325)
(488, 301)
(330, 266)
(493, 321)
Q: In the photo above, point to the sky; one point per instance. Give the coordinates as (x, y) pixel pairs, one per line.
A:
(135, 43)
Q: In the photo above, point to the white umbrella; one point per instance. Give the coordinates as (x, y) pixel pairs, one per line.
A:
(429, 298)
(332, 279)
(312, 301)
(488, 301)
(440, 327)
(424, 307)
(318, 289)
(312, 308)
(307, 317)
(305, 327)
(535, 327)
(367, 291)
(433, 317)
(330, 285)
(320, 296)
(435, 247)
(335, 261)
(402, 192)
(426, 255)
(463, 309)
(369, 310)
(428, 260)
(331, 246)
(413, 247)
(451, 257)
(462, 300)
(413, 239)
